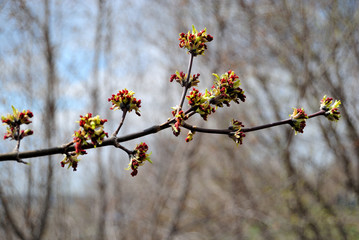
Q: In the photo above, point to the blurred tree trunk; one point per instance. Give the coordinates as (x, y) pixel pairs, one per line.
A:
(50, 119)
(36, 224)
(95, 90)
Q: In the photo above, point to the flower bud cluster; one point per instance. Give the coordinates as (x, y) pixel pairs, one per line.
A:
(195, 42)
(201, 103)
(298, 118)
(238, 135)
(330, 108)
(138, 158)
(181, 78)
(180, 118)
(13, 122)
(190, 136)
(91, 129)
(125, 101)
(70, 159)
(226, 89)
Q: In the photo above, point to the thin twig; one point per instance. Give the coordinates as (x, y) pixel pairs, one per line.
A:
(186, 84)
(118, 145)
(17, 147)
(67, 145)
(121, 123)
(17, 137)
(246, 129)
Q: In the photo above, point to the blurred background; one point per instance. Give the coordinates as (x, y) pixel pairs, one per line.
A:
(62, 59)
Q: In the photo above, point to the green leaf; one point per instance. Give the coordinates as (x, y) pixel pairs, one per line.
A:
(15, 111)
(194, 30)
(216, 75)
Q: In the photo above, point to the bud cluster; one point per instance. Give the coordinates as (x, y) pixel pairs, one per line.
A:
(226, 89)
(180, 118)
(298, 118)
(330, 108)
(195, 42)
(71, 159)
(190, 136)
(125, 101)
(238, 135)
(200, 102)
(13, 122)
(181, 77)
(91, 129)
(138, 158)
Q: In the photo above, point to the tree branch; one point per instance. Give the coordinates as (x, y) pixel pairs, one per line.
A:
(187, 82)
(246, 129)
(114, 141)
